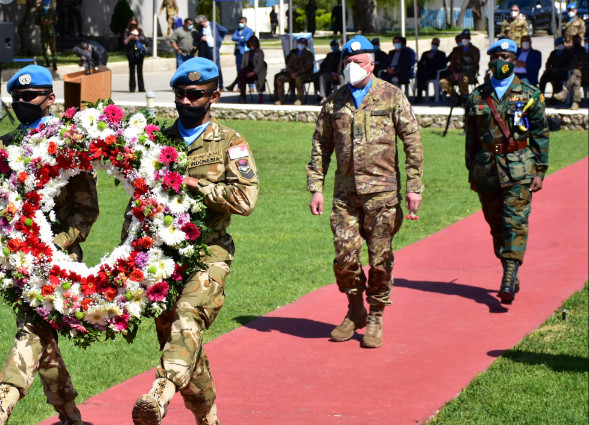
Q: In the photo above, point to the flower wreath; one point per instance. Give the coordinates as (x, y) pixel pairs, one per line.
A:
(141, 277)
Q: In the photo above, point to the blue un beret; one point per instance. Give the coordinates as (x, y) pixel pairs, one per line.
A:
(357, 45)
(465, 33)
(572, 6)
(503, 45)
(195, 71)
(30, 76)
(559, 40)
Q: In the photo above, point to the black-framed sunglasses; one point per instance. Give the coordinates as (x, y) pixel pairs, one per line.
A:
(192, 95)
(27, 95)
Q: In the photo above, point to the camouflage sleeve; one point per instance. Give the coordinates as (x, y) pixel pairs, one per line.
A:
(504, 26)
(309, 63)
(84, 211)
(472, 137)
(539, 135)
(323, 145)
(407, 129)
(238, 193)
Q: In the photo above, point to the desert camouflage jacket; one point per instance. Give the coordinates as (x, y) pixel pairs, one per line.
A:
(228, 180)
(515, 29)
(76, 208)
(302, 65)
(573, 27)
(365, 142)
(521, 166)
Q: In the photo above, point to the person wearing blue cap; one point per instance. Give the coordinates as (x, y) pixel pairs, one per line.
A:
(361, 122)
(381, 59)
(506, 157)
(557, 67)
(221, 169)
(299, 69)
(463, 67)
(574, 25)
(579, 75)
(329, 72)
(35, 346)
(46, 19)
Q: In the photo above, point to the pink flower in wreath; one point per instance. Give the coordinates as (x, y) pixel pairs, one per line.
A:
(113, 114)
(173, 180)
(168, 154)
(121, 322)
(70, 112)
(149, 129)
(158, 291)
(192, 232)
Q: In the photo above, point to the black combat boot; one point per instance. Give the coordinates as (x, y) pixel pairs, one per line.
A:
(508, 283)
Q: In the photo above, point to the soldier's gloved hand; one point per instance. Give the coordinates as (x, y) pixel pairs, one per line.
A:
(316, 204)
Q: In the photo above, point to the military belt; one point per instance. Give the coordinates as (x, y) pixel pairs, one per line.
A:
(501, 148)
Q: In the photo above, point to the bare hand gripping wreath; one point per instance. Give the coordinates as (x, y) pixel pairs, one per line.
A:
(141, 277)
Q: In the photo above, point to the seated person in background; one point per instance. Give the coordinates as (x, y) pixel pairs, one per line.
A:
(398, 70)
(463, 68)
(427, 69)
(91, 55)
(579, 76)
(381, 59)
(253, 68)
(299, 69)
(328, 75)
(413, 57)
(528, 61)
(557, 68)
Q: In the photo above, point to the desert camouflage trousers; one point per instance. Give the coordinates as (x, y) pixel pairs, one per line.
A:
(449, 81)
(574, 85)
(35, 349)
(507, 211)
(285, 78)
(374, 218)
(180, 333)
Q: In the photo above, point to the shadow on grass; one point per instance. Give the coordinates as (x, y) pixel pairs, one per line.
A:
(475, 293)
(556, 362)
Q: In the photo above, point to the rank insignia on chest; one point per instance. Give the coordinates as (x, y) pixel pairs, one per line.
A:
(243, 166)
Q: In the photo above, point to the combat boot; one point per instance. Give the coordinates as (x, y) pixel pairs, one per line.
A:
(69, 414)
(575, 106)
(281, 99)
(508, 283)
(355, 319)
(561, 96)
(373, 336)
(9, 396)
(150, 408)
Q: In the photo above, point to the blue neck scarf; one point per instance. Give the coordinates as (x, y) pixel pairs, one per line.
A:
(191, 134)
(358, 94)
(37, 123)
(501, 86)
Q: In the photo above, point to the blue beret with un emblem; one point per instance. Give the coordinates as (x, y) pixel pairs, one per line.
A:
(30, 76)
(503, 45)
(195, 71)
(357, 45)
(572, 6)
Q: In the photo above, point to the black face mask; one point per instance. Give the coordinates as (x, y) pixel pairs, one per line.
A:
(190, 116)
(27, 113)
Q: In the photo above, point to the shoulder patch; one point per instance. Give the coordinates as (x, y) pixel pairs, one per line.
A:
(244, 168)
(238, 152)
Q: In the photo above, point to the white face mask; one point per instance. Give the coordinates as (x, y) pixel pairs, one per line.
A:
(397, 46)
(571, 14)
(465, 42)
(514, 13)
(525, 45)
(301, 47)
(354, 73)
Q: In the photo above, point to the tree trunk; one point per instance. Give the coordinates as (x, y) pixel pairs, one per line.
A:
(451, 13)
(28, 45)
(445, 6)
(462, 12)
(365, 18)
(478, 14)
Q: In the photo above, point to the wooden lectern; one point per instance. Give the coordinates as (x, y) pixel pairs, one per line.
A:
(79, 87)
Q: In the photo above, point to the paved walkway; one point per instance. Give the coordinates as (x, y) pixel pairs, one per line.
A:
(445, 326)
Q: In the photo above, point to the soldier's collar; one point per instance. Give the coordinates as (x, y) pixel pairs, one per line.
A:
(212, 133)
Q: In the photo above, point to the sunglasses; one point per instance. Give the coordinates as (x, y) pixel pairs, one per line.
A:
(191, 95)
(27, 95)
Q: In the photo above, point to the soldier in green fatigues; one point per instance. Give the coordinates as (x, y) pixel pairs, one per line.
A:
(222, 169)
(46, 19)
(361, 122)
(506, 165)
(35, 346)
(515, 27)
(574, 26)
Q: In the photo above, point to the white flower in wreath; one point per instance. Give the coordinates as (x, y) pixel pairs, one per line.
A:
(31, 295)
(88, 120)
(135, 127)
(20, 259)
(16, 158)
(7, 283)
(96, 315)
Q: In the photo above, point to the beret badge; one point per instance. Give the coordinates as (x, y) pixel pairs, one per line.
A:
(25, 79)
(194, 76)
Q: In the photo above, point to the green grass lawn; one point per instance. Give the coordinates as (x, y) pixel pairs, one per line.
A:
(283, 252)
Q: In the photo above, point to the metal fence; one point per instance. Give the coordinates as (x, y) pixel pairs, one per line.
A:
(437, 19)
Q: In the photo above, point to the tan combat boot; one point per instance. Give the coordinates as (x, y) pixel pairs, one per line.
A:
(575, 106)
(298, 102)
(69, 414)
(9, 396)
(281, 99)
(150, 408)
(355, 319)
(373, 336)
(561, 96)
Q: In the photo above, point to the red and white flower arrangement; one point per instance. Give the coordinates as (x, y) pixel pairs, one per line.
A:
(141, 277)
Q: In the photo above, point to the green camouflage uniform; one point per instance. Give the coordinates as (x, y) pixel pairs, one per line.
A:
(502, 181)
(46, 21)
(462, 70)
(579, 75)
(515, 29)
(35, 345)
(367, 180)
(301, 64)
(575, 26)
(229, 183)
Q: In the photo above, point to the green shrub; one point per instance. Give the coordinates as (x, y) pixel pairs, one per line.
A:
(323, 20)
(120, 17)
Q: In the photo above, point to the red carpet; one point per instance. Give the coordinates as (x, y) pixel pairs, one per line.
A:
(444, 327)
